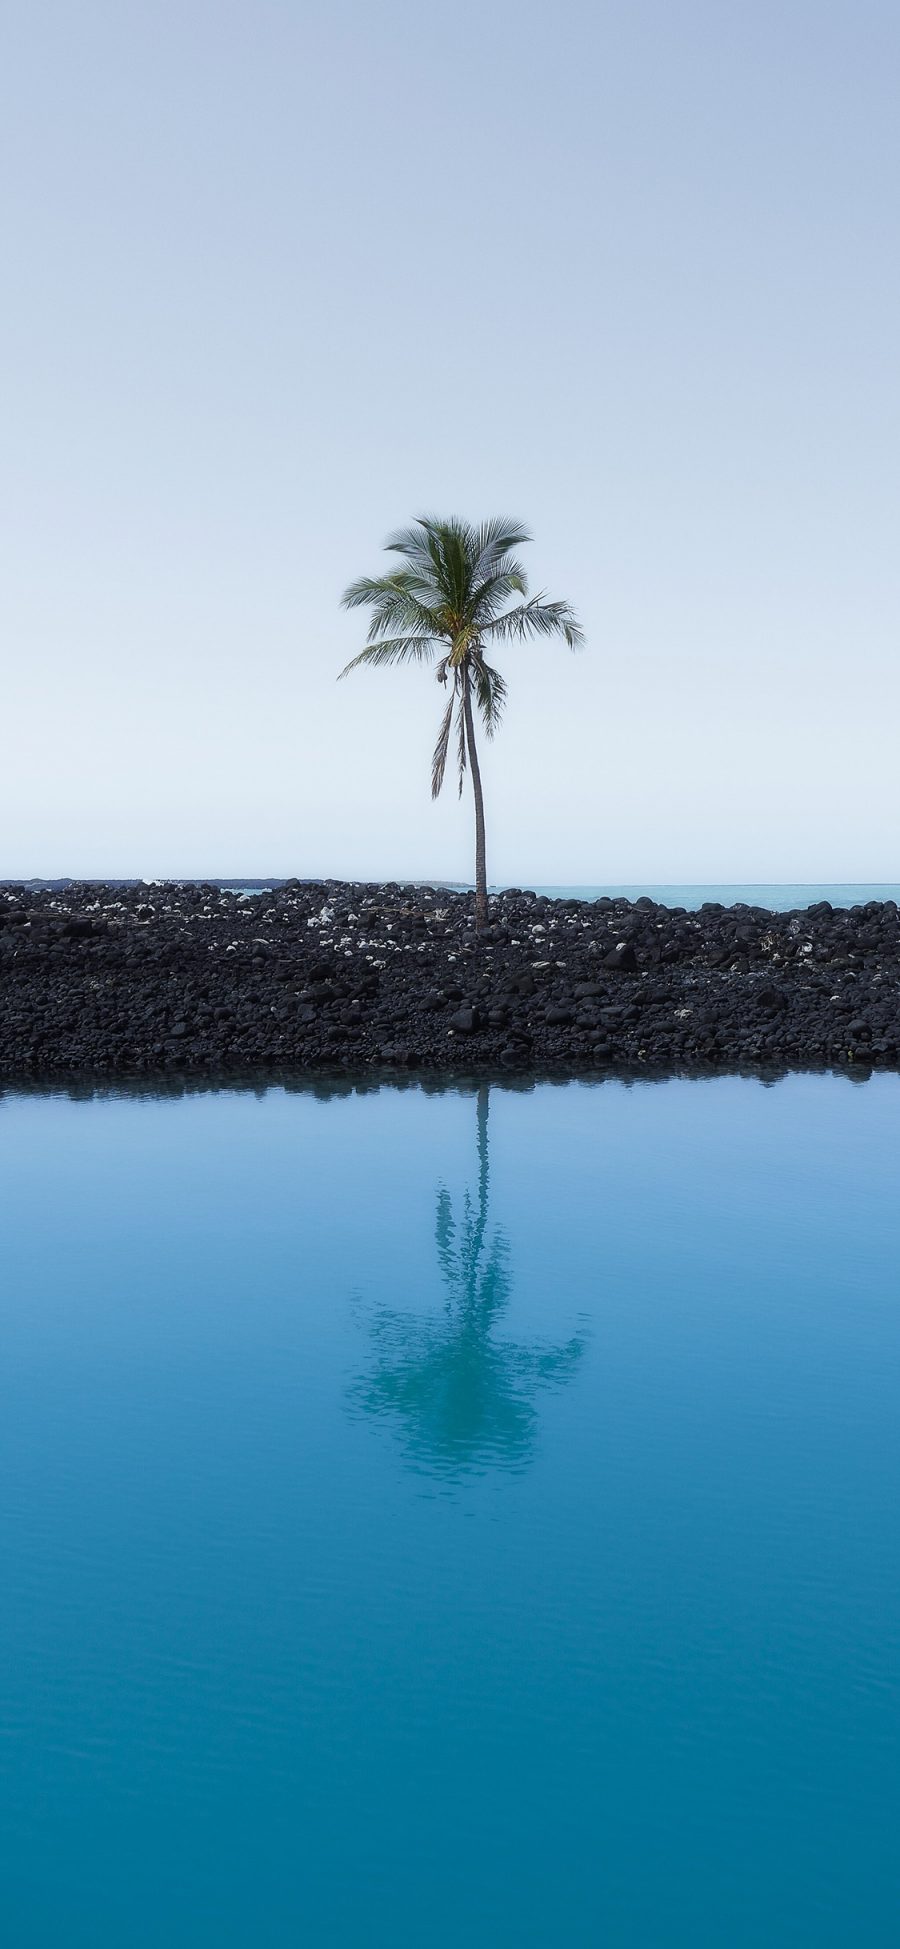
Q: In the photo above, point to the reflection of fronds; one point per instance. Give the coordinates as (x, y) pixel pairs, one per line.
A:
(461, 1401)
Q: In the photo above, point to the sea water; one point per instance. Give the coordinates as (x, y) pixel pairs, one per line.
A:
(779, 896)
(451, 1517)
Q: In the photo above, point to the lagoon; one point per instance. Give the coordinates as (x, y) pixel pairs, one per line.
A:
(451, 1515)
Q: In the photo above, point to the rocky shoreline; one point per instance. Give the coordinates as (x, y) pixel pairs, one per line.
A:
(119, 982)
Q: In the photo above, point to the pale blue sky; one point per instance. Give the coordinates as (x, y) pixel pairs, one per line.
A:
(277, 277)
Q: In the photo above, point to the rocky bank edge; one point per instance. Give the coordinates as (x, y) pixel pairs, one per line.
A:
(153, 979)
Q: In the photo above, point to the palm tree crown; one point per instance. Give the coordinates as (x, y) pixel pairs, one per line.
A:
(452, 598)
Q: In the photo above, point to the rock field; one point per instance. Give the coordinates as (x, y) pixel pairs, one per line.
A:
(144, 980)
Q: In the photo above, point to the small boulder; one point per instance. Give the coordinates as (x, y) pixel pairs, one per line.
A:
(622, 957)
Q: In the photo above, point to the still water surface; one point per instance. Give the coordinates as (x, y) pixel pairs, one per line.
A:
(451, 1518)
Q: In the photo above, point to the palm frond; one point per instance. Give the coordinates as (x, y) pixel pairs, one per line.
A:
(367, 588)
(416, 542)
(396, 606)
(538, 618)
(440, 552)
(422, 572)
(500, 534)
(489, 596)
(394, 649)
(491, 693)
(453, 540)
(493, 541)
(461, 746)
(461, 574)
(439, 758)
(423, 547)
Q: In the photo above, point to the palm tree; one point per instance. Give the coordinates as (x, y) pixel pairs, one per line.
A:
(449, 599)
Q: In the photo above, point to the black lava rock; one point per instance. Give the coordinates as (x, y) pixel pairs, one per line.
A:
(140, 980)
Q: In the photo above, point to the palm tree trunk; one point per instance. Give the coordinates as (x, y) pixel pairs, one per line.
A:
(481, 906)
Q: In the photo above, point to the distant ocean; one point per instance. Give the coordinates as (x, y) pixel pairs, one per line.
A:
(779, 896)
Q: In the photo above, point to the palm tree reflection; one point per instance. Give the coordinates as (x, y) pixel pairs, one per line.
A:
(461, 1397)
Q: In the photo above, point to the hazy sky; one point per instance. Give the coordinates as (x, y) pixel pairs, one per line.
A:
(278, 277)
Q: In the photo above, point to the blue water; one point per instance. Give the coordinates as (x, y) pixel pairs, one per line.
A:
(451, 1518)
(779, 897)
